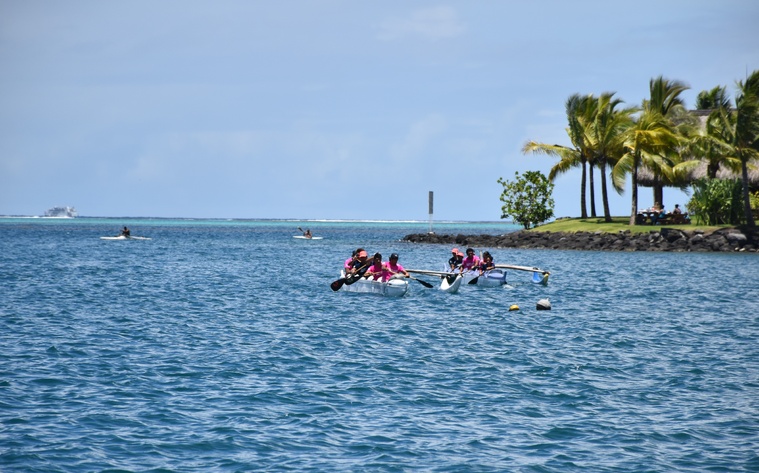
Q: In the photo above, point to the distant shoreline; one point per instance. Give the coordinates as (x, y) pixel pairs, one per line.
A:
(663, 239)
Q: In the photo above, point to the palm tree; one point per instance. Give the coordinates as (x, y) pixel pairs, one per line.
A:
(713, 144)
(713, 99)
(665, 100)
(569, 157)
(647, 140)
(747, 134)
(606, 138)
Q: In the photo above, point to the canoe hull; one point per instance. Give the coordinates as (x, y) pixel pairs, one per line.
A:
(493, 278)
(451, 287)
(392, 288)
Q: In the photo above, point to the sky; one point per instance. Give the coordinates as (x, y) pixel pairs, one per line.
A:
(331, 109)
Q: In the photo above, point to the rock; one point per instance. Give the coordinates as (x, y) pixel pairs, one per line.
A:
(663, 239)
(736, 238)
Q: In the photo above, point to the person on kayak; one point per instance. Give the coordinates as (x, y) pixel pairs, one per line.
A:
(377, 270)
(471, 262)
(395, 268)
(125, 232)
(307, 233)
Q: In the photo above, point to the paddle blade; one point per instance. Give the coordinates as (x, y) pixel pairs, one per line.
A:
(424, 283)
(474, 281)
(336, 285)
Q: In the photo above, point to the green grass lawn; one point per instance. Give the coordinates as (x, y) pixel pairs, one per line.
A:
(616, 225)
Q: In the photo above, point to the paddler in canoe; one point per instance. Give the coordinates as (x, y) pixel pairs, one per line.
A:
(395, 268)
(471, 262)
(378, 271)
(487, 263)
(456, 259)
(357, 264)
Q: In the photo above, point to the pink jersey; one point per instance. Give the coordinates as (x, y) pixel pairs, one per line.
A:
(394, 268)
(348, 263)
(470, 263)
(380, 272)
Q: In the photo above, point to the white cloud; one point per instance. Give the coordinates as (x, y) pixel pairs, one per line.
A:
(430, 24)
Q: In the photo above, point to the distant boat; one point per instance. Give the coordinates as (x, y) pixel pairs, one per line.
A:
(61, 212)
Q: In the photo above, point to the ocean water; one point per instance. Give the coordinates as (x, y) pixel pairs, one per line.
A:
(219, 346)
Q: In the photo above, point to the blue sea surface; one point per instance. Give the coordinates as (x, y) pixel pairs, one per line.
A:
(218, 345)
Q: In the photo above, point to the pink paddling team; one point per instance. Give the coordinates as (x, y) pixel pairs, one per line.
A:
(360, 264)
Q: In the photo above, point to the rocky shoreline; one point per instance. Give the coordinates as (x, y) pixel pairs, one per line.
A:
(664, 239)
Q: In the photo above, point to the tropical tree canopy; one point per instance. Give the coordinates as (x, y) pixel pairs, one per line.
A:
(527, 199)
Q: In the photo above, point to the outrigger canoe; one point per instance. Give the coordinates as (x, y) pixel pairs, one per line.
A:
(394, 287)
(493, 278)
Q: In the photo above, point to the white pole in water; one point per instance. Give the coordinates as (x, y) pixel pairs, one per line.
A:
(431, 212)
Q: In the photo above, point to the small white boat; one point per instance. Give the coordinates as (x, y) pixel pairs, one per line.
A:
(61, 212)
(303, 237)
(124, 237)
(394, 287)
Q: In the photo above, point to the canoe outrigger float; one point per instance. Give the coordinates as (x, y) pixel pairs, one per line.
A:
(539, 276)
(394, 287)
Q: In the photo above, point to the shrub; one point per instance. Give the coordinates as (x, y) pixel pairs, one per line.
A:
(717, 201)
(528, 199)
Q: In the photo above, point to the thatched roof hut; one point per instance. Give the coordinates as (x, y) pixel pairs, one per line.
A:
(646, 177)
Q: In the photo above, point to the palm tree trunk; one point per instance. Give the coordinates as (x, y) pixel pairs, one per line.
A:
(746, 201)
(592, 191)
(583, 184)
(604, 192)
(658, 192)
(634, 212)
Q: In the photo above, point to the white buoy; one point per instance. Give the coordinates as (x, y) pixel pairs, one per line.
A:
(543, 304)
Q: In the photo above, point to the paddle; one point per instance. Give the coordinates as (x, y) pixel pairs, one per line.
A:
(350, 279)
(423, 283)
(474, 280)
(359, 274)
(336, 285)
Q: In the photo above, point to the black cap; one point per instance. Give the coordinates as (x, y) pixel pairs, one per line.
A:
(394, 256)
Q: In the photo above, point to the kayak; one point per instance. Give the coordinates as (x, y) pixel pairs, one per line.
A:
(301, 237)
(394, 287)
(122, 237)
